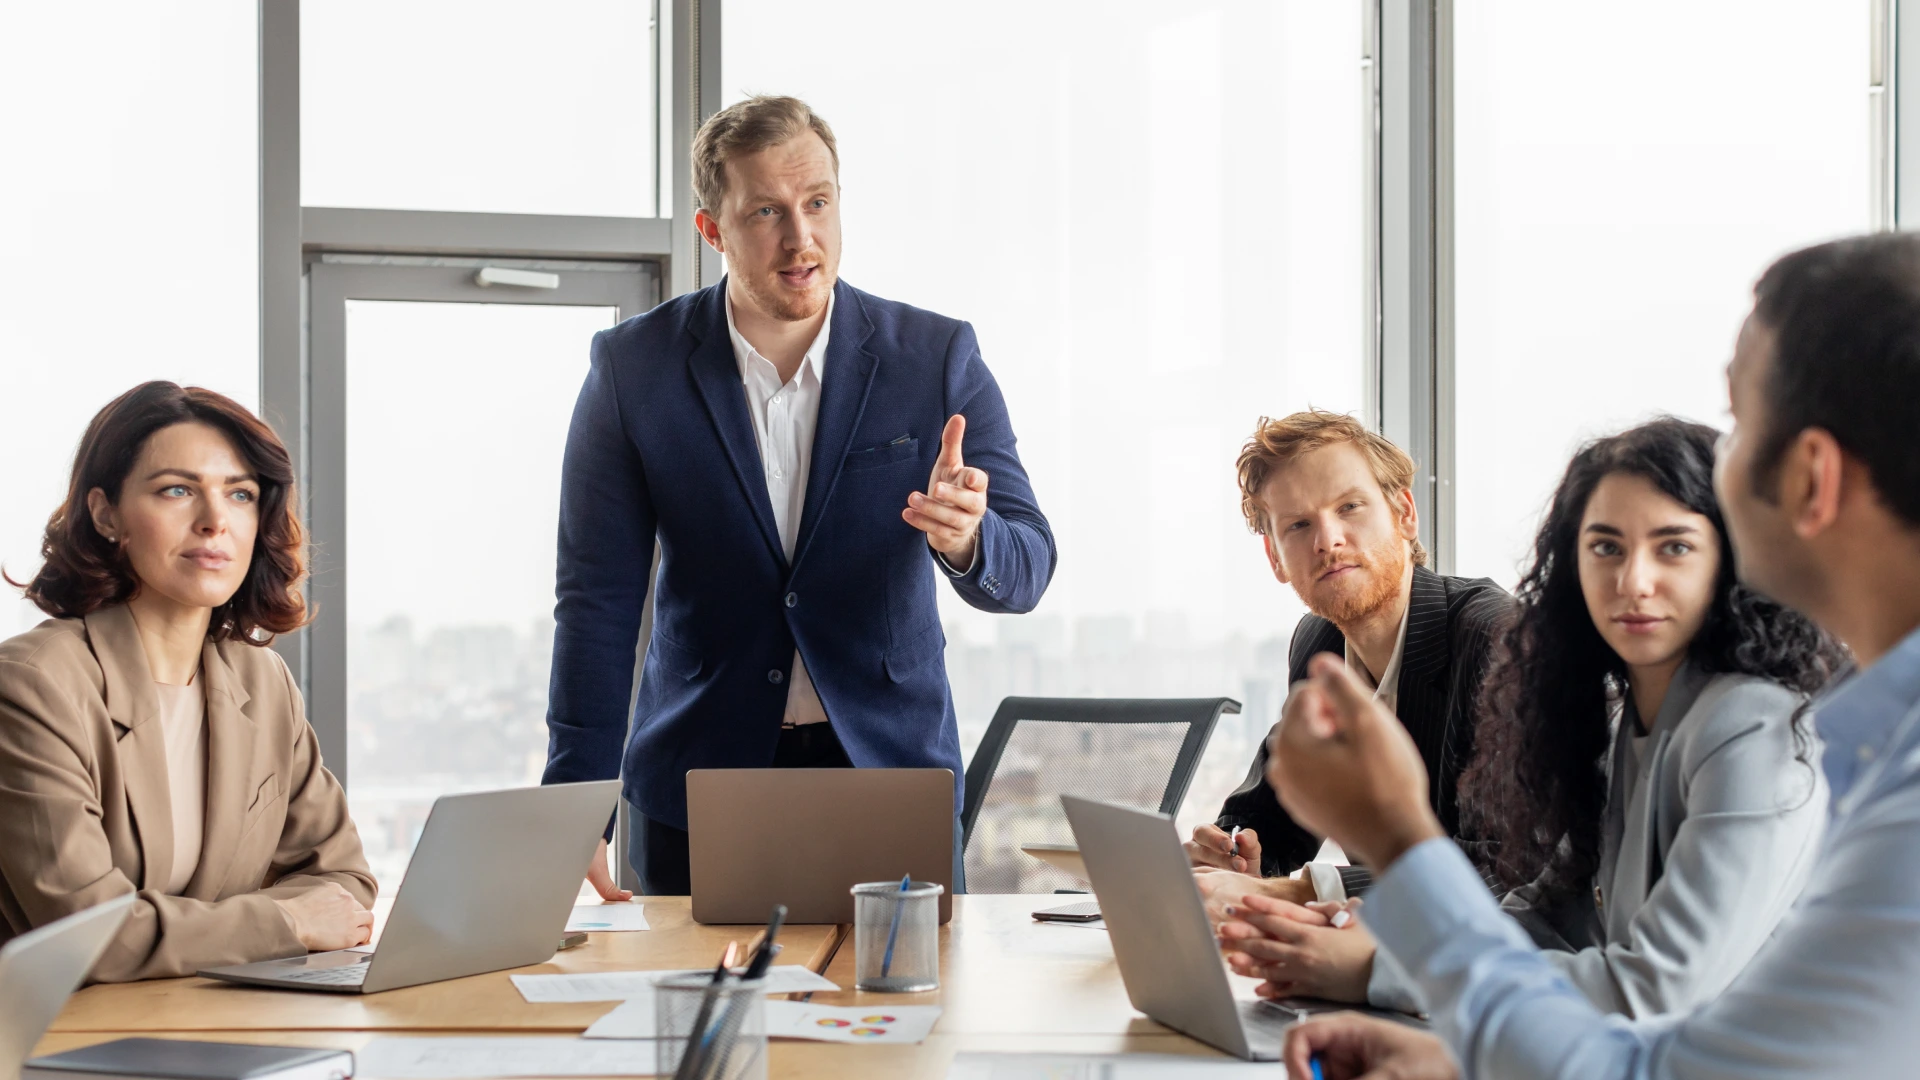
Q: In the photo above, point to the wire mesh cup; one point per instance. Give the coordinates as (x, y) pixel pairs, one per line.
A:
(896, 936)
(726, 1033)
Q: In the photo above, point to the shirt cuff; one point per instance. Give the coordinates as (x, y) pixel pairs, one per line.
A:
(941, 558)
(1327, 885)
(1426, 900)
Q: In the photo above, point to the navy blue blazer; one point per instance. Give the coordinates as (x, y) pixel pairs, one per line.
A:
(662, 446)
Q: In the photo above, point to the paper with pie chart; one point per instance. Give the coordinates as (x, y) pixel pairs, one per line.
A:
(609, 917)
(850, 1024)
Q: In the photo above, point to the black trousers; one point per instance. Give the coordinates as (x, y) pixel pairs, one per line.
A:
(658, 851)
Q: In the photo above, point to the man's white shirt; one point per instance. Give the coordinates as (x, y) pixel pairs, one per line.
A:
(784, 420)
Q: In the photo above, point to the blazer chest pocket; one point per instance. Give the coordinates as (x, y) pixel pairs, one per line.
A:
(264, 795)
(905, 448)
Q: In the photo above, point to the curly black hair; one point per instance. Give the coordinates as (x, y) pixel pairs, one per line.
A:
(1536, 786)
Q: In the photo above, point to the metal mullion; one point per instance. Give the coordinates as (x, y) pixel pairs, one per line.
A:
(1413, 173)
(696, 85)
(442, 232)
(282, 371)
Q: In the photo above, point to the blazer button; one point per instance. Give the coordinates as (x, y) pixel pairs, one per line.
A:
(792, 599)
(776, 676)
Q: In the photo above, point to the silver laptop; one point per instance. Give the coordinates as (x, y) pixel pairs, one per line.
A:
(806, 837)
(1169, 957)
(490, 886)
(41, 968)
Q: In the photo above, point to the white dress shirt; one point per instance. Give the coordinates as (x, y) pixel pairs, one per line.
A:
(784, 420)
(1830, 994)
(1324, 870)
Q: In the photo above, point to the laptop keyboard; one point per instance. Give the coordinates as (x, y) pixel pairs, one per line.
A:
(333, 976)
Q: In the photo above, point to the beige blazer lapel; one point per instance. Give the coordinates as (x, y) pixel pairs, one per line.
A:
(230, 780)
(134, 707)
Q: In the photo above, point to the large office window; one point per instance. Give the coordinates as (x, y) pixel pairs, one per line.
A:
(453, 473)
(1153, 217)
(1621, 181)
(129, 218)
(479, 105)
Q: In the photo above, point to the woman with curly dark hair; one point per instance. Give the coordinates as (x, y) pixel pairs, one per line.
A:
(1640, 766)
(149, 743)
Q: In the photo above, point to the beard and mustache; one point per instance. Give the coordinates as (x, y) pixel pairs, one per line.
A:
(1350, 598)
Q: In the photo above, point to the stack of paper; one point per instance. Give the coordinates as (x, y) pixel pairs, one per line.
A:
(606, 918)
(479, 1058)
(1106, 1067)
(624, 985)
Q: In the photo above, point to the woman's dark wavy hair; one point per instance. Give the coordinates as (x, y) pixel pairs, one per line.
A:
(84, 572)
(1538, 776)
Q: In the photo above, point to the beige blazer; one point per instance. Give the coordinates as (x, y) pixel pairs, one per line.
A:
(85, 812)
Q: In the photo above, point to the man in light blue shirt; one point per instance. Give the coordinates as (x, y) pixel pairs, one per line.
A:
(1820, 481)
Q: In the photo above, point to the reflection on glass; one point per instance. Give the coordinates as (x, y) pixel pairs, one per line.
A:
(1152, 216)
(456, 419)
(130, 141)
(478, 105)
(1615, 200)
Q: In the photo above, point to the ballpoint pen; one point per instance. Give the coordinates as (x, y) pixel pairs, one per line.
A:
(726, 1031)
(1233, 842)
(893, 932)
(688, 1057)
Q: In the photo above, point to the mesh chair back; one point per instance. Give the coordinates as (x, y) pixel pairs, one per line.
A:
(1136, 752)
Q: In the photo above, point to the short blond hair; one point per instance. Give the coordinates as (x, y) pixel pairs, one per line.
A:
(748, 127)
(1276, 442)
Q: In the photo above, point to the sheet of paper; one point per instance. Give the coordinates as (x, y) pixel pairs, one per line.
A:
(633, 1019)
(468, 1058)
(602, 918)
(850, 1024)
(1105, 1067)
(621, 985)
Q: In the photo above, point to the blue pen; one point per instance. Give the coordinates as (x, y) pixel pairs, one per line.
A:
(893, 932)
(1314, 1064)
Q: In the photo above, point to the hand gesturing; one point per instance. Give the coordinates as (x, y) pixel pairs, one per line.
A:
(955, 501)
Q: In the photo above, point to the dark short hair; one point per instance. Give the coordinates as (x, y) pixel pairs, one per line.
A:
(1845, 318)
(85, 572)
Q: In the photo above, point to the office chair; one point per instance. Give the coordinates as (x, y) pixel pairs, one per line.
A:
(1138, 752)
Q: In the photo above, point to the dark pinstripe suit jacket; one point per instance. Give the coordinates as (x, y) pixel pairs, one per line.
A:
(1452, 625)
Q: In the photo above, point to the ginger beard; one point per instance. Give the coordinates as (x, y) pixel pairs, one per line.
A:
(772, 296)
(1347, 599)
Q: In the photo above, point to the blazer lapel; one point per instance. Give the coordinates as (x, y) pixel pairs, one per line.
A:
(134, 707)
(231, 785)
(843, 398)
(717, 376)
(1422, 663)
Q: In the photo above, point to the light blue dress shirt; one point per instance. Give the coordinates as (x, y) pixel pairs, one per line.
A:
(1836, 992)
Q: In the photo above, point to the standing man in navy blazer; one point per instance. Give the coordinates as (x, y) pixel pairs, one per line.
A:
(794, 445)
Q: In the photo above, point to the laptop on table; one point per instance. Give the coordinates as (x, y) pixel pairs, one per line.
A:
(490, 886)
(1168, 955)
(41, 968)
(805, 837)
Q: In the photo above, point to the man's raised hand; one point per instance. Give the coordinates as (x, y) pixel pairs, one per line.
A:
(1344, 767)
(951, 509)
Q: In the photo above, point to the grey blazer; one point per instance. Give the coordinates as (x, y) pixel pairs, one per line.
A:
(1697, 865)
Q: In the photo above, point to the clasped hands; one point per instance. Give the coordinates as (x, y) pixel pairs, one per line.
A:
(955, 502)
(1344, 767)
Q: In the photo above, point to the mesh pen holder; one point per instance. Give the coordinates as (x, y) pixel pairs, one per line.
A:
(896, 936)
(728, 1036)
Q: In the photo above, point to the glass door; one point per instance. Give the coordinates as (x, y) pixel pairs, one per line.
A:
(440, 414)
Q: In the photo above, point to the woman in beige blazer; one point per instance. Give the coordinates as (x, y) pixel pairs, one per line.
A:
(149, 743)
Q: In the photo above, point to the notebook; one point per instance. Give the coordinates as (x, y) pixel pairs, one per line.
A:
(179, 1059)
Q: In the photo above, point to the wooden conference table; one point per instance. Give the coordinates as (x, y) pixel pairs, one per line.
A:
(1007, 984)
